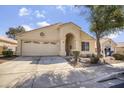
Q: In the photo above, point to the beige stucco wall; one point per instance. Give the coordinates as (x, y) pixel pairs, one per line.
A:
(69, 29)
(4, 43)
(86, 38)
(53, 33)
(110, 44)
(1, 49)
(120, 50)
(8, 45)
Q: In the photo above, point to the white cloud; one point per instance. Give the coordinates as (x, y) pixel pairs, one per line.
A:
(61, 8)
(43, 11)
(42, 24)
(24, 12)
(27, 27)
(39, 14)
(112, 36)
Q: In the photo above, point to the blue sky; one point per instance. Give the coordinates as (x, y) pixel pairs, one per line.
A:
(32, 17)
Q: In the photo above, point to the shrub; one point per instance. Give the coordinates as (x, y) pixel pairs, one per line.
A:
(76, 55)
(118, 56)
(7, 53)
(94, 59)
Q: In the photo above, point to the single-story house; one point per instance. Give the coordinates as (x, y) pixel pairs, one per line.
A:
(120, 48)
(56, 39)
(7, 44)
(108, 46)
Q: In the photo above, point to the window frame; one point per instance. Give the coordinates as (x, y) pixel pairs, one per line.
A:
(85, 46)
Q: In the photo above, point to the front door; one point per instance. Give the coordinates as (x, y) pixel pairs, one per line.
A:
(107, 51)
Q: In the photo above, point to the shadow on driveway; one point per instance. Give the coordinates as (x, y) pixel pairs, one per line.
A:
(68, 78)
(47, 60)
(50, 79)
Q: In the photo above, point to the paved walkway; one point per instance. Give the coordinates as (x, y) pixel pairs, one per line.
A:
(51, 72)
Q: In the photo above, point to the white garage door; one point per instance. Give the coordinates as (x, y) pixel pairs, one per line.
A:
(37, 48)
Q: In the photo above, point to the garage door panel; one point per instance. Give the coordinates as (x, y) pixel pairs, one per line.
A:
(33, 49)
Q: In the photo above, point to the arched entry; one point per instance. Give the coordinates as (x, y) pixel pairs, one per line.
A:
(107, 51)
(69, 43)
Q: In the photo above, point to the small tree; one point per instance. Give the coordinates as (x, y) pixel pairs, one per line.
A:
(7, 53)
(76, 56)
(13, 31)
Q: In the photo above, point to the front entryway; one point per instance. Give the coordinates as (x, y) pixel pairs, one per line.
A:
(69, 44)
(108, 51)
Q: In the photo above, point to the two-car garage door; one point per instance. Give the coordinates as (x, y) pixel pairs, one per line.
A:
(36, 48)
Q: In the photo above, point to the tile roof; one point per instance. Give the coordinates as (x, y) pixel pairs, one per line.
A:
(57, 25)
(120, 44)
(3, 38)
(103, 40)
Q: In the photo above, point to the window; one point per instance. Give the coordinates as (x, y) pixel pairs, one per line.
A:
(45, 42)
(85, 46)
(27, 41)
(36, 42)
(54, 43)
(42, 34)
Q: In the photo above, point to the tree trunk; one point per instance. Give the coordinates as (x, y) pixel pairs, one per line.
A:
(98, 46)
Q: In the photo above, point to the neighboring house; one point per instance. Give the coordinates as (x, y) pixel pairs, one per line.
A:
(108, 46)
(120, 48)
(7, 44)
(57, 39)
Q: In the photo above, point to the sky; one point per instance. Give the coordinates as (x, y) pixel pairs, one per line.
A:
(36, 16)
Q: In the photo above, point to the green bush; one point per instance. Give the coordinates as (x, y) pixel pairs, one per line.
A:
(94, 59)
(7, 53)
(118, 56)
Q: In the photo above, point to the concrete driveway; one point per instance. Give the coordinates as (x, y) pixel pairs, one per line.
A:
(24, 68)
(39, 72)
